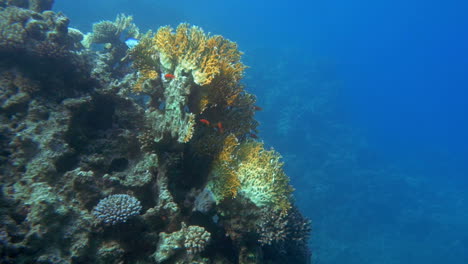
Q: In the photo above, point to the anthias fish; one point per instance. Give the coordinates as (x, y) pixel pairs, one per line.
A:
(220, 127)
(204, 121)
(169, 76)
(257, 108)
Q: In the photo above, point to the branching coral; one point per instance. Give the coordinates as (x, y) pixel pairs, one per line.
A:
(275, 227)
(215, 68)
(249, 170)
(189, 49)
(213, 61)
(272, 227)
(196, 239)
(262, 177)
(225, 183)
(110, 31)
(145, 60)
(193, 239)
(117, 208)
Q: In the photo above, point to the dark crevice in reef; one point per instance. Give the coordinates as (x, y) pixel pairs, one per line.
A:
(66, 162)
(89, 121)
(118, 165)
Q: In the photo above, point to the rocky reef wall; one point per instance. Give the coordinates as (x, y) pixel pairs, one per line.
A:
(142, 153)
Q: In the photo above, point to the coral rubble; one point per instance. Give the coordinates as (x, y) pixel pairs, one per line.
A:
(133, 154)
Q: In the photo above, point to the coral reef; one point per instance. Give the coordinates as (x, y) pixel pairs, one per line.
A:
(185, 73)
(44, 34)
(142, 154)
(34, 5)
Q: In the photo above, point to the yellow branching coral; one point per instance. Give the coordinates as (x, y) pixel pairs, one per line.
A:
(225, 183)
(215, 68)
(249, 170)
(145, 74)
(189, 49)
(145, 60)
(261, 176)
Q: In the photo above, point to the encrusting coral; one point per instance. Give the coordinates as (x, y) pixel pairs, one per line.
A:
(141, 154)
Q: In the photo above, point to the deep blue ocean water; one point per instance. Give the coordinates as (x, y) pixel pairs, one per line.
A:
(367, 102)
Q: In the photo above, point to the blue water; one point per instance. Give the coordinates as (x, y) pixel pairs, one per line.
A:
(367, 102)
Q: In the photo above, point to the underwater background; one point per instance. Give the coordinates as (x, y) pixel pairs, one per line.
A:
(366, 101)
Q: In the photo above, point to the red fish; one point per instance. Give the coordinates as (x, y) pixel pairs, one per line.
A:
(257, 108)
(252, 135)
(220, 127)
(204, 121)
(169, 76)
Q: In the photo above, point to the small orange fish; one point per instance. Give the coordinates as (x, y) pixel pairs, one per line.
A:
(257, 108)
(169, 76)
(204, 121)
(220, 127)
(252, 135)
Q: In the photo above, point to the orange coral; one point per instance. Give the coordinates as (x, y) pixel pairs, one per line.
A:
(145, 61)
(145, 74)
(192, 50)
(225, 183)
